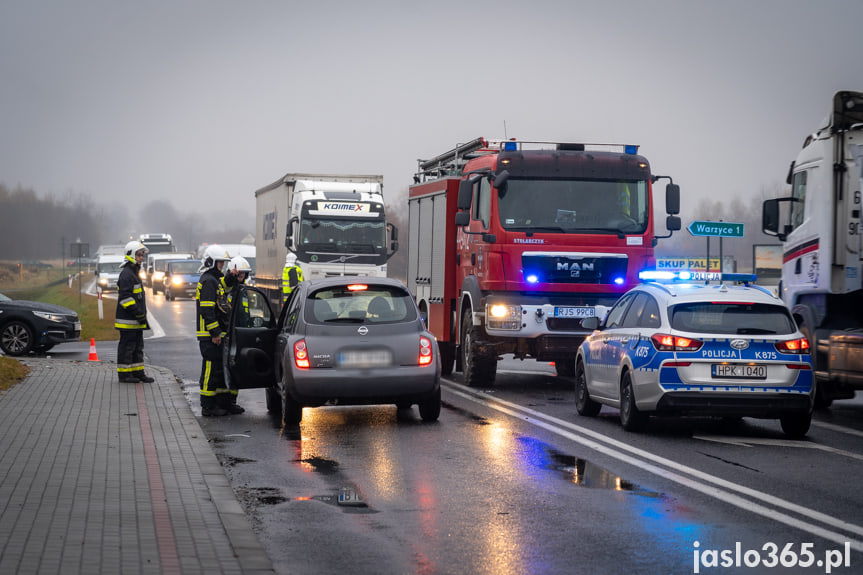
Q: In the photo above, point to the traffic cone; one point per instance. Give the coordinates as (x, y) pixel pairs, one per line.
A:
(93, 356)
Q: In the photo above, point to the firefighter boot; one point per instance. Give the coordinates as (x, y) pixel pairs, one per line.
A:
(210, 408)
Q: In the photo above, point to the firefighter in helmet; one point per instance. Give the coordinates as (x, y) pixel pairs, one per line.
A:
(292, 274)
(212, 321)
(130, 318)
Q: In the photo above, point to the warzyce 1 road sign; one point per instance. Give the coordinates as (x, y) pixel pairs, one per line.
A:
(717, 229)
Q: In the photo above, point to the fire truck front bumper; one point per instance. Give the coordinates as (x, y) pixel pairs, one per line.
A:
(549, 321)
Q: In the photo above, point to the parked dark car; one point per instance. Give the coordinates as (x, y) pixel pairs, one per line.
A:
(180, 278)
(27, 326)
(341, 340)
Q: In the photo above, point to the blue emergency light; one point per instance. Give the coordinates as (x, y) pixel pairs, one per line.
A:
(510, 146)
(532, 278)
(630, 149)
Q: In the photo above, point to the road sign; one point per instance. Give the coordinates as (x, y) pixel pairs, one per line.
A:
(716, 229)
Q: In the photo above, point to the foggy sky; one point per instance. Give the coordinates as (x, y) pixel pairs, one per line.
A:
(202, 102)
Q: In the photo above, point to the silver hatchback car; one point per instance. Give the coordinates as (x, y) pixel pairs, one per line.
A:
(342, 340)
(694, 349)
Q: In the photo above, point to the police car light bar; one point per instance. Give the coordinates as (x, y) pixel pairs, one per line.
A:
(686, 275)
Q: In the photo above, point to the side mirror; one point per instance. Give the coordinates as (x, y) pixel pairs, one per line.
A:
(500, 180)
(672, 223)
(489, 238)
(770, 217)
(590, 323)
(394, 232)
(289, 232)
(672, 200)
(462, 219)
(465, 194)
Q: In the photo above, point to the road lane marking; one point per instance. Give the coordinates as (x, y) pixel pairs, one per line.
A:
(838, 428)
(698, 480)
(749, 442)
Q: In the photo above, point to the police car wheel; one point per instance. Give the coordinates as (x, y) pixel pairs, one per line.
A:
(630, 417)
(583, 404)
(797, 425)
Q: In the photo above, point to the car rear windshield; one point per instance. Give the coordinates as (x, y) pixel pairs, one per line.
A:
(732, 318)
(362, 303)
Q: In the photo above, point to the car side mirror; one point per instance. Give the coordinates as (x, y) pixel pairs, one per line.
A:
(591, 323)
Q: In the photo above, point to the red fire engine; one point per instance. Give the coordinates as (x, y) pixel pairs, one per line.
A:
(513, 243)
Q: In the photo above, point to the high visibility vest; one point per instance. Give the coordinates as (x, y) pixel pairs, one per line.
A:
(291, 276)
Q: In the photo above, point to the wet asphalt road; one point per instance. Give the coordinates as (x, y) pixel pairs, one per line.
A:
(512, 480)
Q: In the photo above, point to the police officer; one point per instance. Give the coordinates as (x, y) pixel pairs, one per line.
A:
(292, 274)
(212, 319)
(131, 316)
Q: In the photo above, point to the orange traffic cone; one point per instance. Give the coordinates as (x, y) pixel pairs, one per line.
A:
(93, 356)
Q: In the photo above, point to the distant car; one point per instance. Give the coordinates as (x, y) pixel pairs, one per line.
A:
(27, 326)
(694, 349)
(346, 340)
(181, 279)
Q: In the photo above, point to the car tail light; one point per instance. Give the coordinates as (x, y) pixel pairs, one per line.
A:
(425, 357)
(793, 346)
(301, 354)
(677, 364)
(666, 342)
(802, 366)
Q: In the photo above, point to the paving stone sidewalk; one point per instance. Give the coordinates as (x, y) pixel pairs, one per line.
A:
(102, 477)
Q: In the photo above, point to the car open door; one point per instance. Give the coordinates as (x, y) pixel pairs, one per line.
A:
(250, 341)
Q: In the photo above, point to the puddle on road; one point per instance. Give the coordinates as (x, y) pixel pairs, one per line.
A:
(230, 461)
(261, 495)
(576, 470)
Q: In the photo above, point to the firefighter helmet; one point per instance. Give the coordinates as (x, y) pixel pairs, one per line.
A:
(214, 253)
(240, 264)
(130, 250)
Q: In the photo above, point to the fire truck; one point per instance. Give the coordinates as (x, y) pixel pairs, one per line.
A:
(513, 243)
(822, 261)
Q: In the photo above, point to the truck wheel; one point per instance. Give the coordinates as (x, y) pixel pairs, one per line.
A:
(630, 417)
(822, 400)
(565, 366)
(476, 370)
(16, 338)
(797, 425)
(447, 357)
(583, 404)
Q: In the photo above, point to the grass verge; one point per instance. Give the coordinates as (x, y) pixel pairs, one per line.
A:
(87, 308)
(11, 372)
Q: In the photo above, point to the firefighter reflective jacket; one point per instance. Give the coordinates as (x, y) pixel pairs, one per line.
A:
(211, 304)
(131, 307)
(291, 276)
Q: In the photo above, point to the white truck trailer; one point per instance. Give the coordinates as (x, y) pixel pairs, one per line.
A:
(822, 261)
(334, 224)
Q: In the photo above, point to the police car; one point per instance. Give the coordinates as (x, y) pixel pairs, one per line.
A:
(729, 349)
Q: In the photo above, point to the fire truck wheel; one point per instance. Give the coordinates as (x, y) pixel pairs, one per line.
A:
(476, 370)
(447, 357)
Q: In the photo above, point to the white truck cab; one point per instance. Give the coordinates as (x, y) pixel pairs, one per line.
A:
(822, 277)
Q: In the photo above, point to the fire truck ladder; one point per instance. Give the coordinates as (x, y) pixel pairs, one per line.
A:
(449, 163)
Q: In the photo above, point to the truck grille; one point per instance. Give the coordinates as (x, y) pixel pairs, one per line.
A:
(563, 324)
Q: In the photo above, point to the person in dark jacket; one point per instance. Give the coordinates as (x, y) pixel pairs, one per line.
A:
(212, 322)
(131, 316)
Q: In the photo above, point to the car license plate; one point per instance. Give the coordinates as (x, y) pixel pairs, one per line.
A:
(739, 370)
(577, 312)
(371, 358)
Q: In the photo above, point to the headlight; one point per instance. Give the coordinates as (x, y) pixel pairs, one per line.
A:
(103, 281)
(50, 316)
(503, 316)
(176, 280)
(158, 275)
